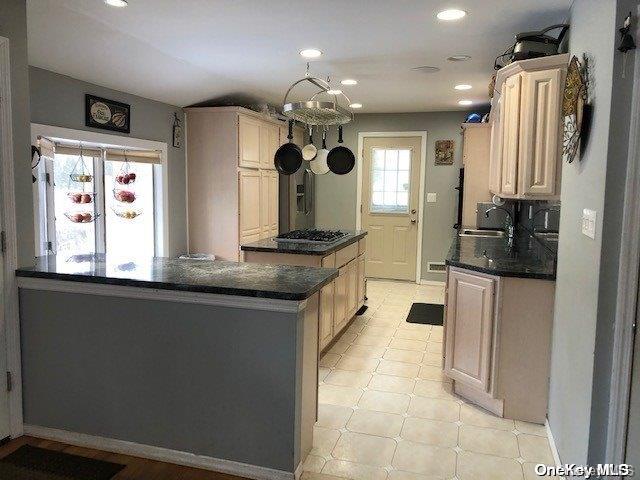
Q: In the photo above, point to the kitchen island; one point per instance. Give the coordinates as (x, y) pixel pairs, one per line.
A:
(339, 300)
(208, 364)
(498, 321)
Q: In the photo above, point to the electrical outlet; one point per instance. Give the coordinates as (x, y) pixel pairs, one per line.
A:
(431, 197)
(589, 223)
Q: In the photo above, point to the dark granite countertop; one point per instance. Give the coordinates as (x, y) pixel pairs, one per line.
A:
(527, 258)
(225, 278)
(270, 245)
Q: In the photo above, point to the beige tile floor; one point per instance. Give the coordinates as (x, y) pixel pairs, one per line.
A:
(387, 411)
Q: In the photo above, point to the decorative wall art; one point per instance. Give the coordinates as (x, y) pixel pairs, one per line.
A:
(177, 131)
(576, 109)
(107, 114)
(444, 152)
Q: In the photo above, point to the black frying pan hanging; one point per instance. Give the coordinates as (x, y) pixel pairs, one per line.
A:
(288, 157)
(340, 159)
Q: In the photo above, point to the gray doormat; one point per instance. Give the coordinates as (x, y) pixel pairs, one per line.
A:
(34, 463)
(426, 313)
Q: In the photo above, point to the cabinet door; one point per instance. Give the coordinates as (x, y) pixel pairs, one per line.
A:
(470, 321)
(362, 281)
(510, 123)
(249, 208)
(340, 301)
(264, 146)
(352, 288)
(264, 203)
(326, 315)
(495, 155)
(248, 142)
(273, 143)
(540, 126)
(273, 203)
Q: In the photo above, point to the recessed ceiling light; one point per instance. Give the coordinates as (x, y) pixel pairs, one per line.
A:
(459, 58)
(116, 3)
(349, 81)
(426, 69)
(310, 53)
(334, 91)
(355, 105)
(465, 102)
(463, 86)
(451, 14)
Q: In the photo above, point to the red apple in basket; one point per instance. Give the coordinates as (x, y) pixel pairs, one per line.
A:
(132, 177)
(87, 217)
(77, 217)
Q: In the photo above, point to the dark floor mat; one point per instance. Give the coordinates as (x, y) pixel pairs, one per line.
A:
(34, 463)
(426, 313)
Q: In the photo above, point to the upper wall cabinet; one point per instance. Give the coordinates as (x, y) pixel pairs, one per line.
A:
(526, 139)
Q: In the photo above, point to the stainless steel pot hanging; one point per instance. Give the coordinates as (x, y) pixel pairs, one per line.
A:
(314, 111)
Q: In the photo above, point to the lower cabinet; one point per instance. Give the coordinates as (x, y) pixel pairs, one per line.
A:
(498, 342)
(469, 329)
(362, 280)
(326, 315)
(352, 288)
(340, 301)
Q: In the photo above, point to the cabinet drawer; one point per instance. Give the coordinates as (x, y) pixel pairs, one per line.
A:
(362, 246)
(329, 261)
(347, 254)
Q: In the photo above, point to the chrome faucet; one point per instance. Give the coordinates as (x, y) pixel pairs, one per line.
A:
(509, 226)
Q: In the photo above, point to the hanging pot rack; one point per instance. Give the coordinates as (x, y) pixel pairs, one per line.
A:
(317, 112)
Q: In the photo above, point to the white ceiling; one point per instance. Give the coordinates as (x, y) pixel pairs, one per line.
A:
(184, 52)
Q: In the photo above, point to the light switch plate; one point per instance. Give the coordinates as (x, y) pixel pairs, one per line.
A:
(589, 223)
(432, 197)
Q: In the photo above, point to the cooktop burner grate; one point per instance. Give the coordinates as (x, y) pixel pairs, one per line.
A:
(311, 236)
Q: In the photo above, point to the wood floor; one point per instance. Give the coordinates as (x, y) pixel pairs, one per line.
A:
(136, 468)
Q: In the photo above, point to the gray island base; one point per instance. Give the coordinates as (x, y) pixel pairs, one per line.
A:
(223, 382)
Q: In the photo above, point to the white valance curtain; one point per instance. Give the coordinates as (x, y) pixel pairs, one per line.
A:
(48, 148)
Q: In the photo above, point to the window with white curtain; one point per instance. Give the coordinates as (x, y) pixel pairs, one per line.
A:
(99, 200)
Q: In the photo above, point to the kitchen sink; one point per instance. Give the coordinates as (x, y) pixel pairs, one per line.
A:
(469, 232)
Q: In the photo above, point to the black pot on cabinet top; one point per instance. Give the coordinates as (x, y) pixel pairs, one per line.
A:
(341, 160)
(288, 157)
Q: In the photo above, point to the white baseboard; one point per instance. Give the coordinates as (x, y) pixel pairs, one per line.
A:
(433, 283)
(552, 443)
(161, 454)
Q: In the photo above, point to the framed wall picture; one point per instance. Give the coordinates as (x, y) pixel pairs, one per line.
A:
(107, 114)
(444, 152)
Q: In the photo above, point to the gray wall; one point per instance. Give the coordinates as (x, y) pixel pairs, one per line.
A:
(59, 100)
(336, 195)
(587, 272)
(215, 381)
(13, 25)
(617, 159)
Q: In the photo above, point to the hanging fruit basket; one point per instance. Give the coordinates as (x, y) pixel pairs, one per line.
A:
(124, 196)
(77, 197)
(80, 172)
(81, 217)
(127, 214)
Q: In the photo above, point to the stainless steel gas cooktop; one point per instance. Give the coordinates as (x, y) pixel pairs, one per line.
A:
(311, 236)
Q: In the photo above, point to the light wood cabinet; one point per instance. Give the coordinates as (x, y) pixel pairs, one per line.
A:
(476, 140)
(497, 334)
(469, 329)
(526, 129)
(340, 301)
(250, 136)
(539, 153)
(249, 199)
(362, 280)
(352, 287)
(233, 187)
(342, 298)
(326, 315)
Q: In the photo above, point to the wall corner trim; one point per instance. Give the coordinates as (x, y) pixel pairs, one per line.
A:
(552, 443)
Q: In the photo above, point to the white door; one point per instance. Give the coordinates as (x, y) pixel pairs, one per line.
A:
(5, 430)
(633, 429)
(390, 202)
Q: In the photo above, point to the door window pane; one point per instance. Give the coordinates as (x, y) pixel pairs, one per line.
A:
(74, 205)
(129, 225)
(390, 180)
